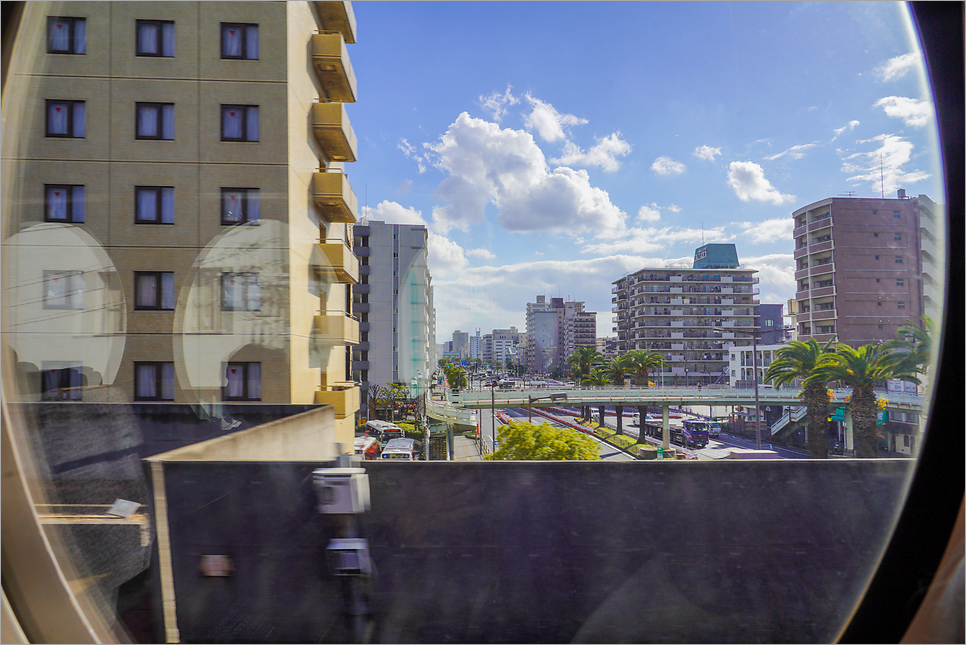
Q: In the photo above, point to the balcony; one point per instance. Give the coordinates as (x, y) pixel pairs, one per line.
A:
(338, 16)
(335, 261)
(336, 329)
(334, 197)
(345, 401)
(334, 132)
(331, 62)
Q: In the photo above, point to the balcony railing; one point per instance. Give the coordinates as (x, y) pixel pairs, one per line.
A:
(335, 259)
(334, 196)
(334, 132)
(331, 61)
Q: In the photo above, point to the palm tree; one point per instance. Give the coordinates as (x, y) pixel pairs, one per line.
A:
(581, 362)
(598, 376)
(642, 361)
(912, 349)
(618, 368)
(860, 369)
(798, 361)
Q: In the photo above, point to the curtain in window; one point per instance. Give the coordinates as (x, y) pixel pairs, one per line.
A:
(59, 37)
(80, 36)
(232, 122)
(56, 288)
(147, 205)
(251, 42)
(231, 206)
(148, 39)
(58, 118)
(147, 120)
(78, 127)
(77, 203)
(235, 388)
(254, 299)
(147, 290)
(167, 205)
(167, 121)
(146, 380)
(57, 203)
(167, 381)
(251, 132)
(51, 383)
(254, 207)
(254, 381)
(231, 40)
(167, 39)
(167, 290)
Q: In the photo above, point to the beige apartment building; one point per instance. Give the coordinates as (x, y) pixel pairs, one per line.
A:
(694, 316)
(177, 208)
(865, 266)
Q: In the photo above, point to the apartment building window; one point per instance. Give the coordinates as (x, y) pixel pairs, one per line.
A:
(154, 290)
(240, 292)
(901, 304)
(239, 123)
(65, 119)
(900, 282)
(240, 205)
(61, 382)
(243, 382)
(154, 205)
(66, 35)
(239, 41)
(63, 290)
(63, 203)
(153, 381)
(155, 38)
(898, 259)
(897, 237)
(155, 121)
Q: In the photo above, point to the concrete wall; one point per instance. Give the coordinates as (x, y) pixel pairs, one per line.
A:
(728, 551)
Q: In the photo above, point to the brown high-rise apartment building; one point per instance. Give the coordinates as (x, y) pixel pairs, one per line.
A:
(182, 222)
(863, 267)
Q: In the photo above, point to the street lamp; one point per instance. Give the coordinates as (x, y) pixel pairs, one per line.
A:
(531, 399)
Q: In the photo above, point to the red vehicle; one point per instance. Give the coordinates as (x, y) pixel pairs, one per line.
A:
(367, 447)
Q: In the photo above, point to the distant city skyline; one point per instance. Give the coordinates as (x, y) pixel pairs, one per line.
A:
(545, 158)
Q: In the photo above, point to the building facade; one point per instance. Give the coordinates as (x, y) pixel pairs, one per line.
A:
(394, 303)
(554, 330)
(204, 253)
(864, 267)
(692, 316)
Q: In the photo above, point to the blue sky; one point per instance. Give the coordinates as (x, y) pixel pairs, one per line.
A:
(551, 147)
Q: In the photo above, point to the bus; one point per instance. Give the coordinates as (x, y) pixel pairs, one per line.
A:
(383, 431)
(402, 449)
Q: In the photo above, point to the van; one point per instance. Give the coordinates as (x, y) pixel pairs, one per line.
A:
(383, 431)
(402, 449)
(367, 447)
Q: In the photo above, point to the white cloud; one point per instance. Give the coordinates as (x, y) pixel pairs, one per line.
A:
(776, 275)
(487, 165)
(772, 230)
(550, 124)
(604, 154)
(913, 112)
(851, 126)
(896, 68)
(706, 152)
(410, 152)
(657, 240)
(666, 166)
(649, 213)
(393, 213)
(795, 152)
(882, 167)
(445, 257)
(480, 253)
(496, 104)
(748, 181)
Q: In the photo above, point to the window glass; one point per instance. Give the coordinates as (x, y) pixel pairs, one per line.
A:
(65, 119)
(239, 123)
(155, 38)
(155, 121)
(154, 204)
(239, 41)
(67, 36)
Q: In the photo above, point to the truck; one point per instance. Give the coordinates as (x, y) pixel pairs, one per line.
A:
(691, 434)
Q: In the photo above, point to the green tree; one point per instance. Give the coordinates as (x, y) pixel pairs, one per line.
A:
(618, 368)
(912, 349)
(522, 441)
(456, 377)
(798, 361)
(860, 368)
(642, 362)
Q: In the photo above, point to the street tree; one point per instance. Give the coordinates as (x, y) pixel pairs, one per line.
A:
(618, 368)
(861, 368)
(522, 441)
(797, 361)
(642, 362)
(912, 348)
